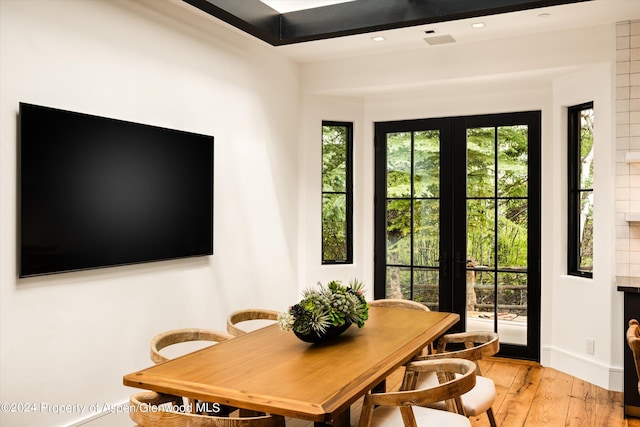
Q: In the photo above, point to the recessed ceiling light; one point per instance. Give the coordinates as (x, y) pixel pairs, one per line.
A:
(478, 25)
(544, 15)
(378, 39)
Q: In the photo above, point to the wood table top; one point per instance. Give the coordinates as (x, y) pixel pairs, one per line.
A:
(273, 371)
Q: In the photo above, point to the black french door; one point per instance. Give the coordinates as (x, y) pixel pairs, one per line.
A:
(457, 221)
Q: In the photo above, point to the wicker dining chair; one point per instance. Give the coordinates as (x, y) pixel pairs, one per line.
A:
(409, 408)
(633, 339)
(151, 409)
(399, 303)
(476, 345)
(184, 336)
(248, 314)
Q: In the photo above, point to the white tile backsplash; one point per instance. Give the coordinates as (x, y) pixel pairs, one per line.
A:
(627, 139)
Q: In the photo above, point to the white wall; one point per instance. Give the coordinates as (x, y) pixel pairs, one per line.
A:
(69, 338)
(536, 72)
(595, 306)
(347, 109)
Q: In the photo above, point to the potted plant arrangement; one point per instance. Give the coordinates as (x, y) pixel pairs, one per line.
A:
(326, 311)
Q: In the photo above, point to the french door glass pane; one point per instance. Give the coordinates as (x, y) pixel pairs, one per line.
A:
(481, 162)
(480, 300)
(426, 284)
(513, 218)
(512, 308)
(426, 232)
(398, 284)
(399, 232)
(481, 232)
(426, 152)
(513, 161)
(399, 164)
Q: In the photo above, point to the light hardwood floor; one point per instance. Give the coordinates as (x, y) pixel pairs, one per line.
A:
(529, 395)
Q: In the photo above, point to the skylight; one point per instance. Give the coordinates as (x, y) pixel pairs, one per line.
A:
(284, 6)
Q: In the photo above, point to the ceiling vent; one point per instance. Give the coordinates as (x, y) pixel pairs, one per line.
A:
(439, 40)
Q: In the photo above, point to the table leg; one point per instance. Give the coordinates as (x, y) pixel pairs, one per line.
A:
(381, 387)
(341, 420)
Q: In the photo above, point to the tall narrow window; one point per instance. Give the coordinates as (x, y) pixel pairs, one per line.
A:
(581, 159)
(337, 193)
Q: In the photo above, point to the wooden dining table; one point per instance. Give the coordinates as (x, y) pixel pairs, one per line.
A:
(272, 371)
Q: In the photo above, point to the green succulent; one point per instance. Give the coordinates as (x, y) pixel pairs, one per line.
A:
(326, 306)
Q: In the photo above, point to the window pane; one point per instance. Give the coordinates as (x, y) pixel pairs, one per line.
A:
(426, 284)
(426, 244)
(481, 162)
(512, 233)
(586, 232)
(481, 293)
(399, 232)
(481, 231)
(586, 149)
(427, 163)
(334, 158)
(580, 192)
(480, 299)
(334, 227)
(398, 283)
(513, 161)
(586, 183)
(336, 192)
(399, 164)
(512, 308)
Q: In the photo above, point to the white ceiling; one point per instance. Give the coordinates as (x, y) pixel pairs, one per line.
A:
(548, 19)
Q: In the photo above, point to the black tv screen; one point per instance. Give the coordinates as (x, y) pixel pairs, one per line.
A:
(97, 192)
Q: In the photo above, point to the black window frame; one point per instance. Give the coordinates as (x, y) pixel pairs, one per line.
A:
(348, 193)
(574, 190)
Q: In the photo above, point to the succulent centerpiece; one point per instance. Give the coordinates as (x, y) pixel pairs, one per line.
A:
(326, 311)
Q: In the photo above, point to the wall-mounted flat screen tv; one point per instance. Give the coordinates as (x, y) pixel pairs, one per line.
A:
(98, 192)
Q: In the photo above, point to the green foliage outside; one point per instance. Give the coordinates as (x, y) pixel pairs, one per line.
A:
(334, 197)
(586, 183)
(492, 230)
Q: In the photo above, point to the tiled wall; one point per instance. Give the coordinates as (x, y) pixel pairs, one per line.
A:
(627, 140)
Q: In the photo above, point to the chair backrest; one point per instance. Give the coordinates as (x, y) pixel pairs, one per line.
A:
(178, 336)
(487, 342)
(399, 303)
(633, 339)
(150, 409)
(477, 346)
(452, 387)
(248, 314)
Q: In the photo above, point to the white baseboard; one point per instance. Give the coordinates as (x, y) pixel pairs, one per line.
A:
(592, 371)
(100, 418)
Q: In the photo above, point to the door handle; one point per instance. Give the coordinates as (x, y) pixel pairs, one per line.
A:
(461, 265)
(444, 265)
